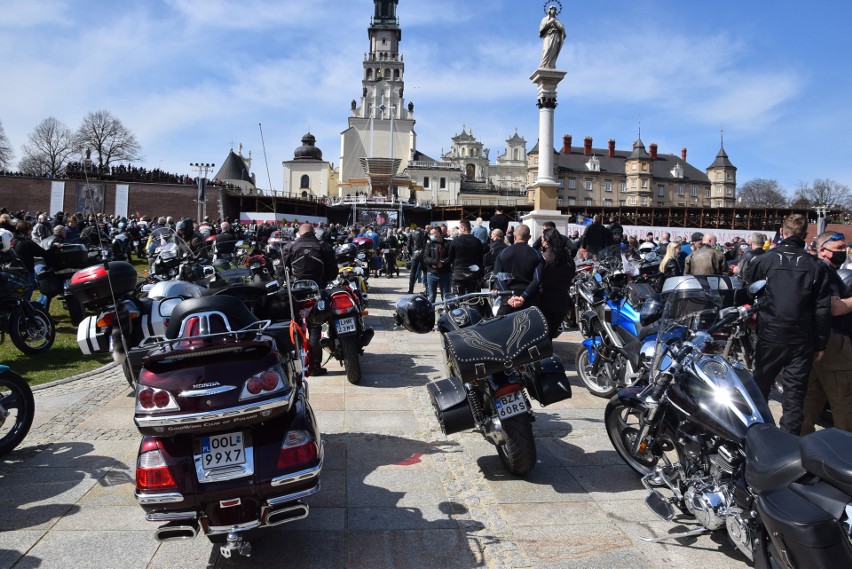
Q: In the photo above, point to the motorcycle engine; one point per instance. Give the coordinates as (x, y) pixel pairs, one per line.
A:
(709, 499)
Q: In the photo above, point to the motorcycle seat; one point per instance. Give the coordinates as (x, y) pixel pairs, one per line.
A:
(828, 454)
(773, 459)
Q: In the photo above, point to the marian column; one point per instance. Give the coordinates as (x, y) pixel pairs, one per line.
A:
(546, 187)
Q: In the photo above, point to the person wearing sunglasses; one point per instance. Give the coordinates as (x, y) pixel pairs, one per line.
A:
(794, 321)
(831, 377)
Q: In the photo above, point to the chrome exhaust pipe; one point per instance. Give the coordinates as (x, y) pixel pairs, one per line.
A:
(174, 531)
(288, 514)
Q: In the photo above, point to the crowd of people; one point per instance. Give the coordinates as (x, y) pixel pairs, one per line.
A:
(804, 331)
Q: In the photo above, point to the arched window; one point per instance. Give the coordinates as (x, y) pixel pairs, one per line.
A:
(305, 182)
(369, 75)
(516, 154)
(396, 74)
(471, 172)
(305, 195)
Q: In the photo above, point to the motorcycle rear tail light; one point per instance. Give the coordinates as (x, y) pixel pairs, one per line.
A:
(507, 389)
(270, 380)
(153, 399)
(298, 451)
(106, 320)
(254, 386)
(341, 303)
(152, 472)
(262, 383)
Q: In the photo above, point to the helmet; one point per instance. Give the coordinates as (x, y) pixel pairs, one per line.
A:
(646, 247)
(121, 226)
(845, 276)
(185, 226)
(415, 314)
(6, 238)
(651, 311)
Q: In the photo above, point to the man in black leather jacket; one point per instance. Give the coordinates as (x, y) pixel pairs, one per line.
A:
(312, 259)
(416, 243)
(518, 268)
(795, 318)
(465, 253)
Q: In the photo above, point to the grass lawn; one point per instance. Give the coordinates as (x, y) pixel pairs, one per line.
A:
(64, 358)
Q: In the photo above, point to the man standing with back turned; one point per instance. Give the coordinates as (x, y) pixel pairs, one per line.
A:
(795, 319)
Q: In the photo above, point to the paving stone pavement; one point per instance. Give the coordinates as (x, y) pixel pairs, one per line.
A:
(396, 493)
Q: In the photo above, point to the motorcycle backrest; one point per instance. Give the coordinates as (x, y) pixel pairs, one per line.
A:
(235, 313)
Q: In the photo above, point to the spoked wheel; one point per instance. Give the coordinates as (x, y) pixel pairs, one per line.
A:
(17, 409)
(518, 452)
(599, 384)
(351, 358)
(622, 426)
(32, 334)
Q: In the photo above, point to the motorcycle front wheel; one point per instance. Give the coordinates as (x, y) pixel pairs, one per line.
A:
(17, 409)
(518, 452)
(351, 358)
(601, 384)
(622, 425)
(32, 334)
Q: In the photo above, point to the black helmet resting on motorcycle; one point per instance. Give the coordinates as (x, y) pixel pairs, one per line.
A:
(415, 314)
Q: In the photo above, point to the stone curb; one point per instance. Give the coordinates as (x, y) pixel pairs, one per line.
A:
(58, 382)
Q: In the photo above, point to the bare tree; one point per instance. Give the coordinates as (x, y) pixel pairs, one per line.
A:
(47, 152)
(823, 192)
(5, 149)
(762, 192)
(107, 136)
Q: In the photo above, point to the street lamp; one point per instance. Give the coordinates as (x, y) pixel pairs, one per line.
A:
(203, 169)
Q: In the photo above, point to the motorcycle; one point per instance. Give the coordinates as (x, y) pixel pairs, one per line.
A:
(54, 280)
(703, 439)
(17, 409)
(29, 326)
(345, 335)
(492, 364)
(608, 357)
(230, 442)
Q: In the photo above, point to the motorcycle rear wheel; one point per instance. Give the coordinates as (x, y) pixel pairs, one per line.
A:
(518, 453)
(351, 359)
(16, 399)
(34, 334)
(622, 425)
(599, 385)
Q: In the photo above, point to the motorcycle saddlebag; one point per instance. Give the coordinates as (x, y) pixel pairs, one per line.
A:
(89, 339)
(449, 399)
(498, 344)
(549, 384)
(71, 256)
(810, 536)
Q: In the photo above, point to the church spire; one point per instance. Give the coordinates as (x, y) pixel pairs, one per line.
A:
(385, 12)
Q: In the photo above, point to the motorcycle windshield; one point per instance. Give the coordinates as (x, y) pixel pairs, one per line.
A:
(689, 306)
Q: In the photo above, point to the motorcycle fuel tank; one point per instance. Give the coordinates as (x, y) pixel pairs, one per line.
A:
(720, 397)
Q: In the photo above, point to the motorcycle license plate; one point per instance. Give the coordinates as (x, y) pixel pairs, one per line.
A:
(511, 405)
(345, 325)
(222, 450)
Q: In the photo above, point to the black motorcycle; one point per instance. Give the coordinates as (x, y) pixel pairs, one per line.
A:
(17, 409)
(491, 364)
(702, 438)
(30, 327)
(341, 309)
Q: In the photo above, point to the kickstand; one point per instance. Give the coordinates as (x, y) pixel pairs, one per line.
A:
(690, 533)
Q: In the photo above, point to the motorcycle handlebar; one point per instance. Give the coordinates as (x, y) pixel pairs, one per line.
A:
(489, 294)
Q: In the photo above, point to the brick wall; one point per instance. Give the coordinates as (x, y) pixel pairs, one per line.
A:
(33, 194)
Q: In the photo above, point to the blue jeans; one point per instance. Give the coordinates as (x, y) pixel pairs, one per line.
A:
(432, 282)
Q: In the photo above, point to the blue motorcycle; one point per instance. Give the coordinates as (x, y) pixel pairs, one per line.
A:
(609, 358)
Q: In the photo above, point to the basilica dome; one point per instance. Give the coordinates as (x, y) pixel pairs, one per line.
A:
(308, 151)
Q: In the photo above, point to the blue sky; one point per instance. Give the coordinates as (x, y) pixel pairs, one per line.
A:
(190, 77)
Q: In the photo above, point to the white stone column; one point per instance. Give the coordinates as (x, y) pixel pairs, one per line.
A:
(545, 190)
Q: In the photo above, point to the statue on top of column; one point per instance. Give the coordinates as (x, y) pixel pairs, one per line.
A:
(553, 33)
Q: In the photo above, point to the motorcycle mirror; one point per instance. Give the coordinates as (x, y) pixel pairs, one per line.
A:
(756, 287)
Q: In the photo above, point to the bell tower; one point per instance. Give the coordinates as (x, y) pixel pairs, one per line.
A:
(380, 140)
